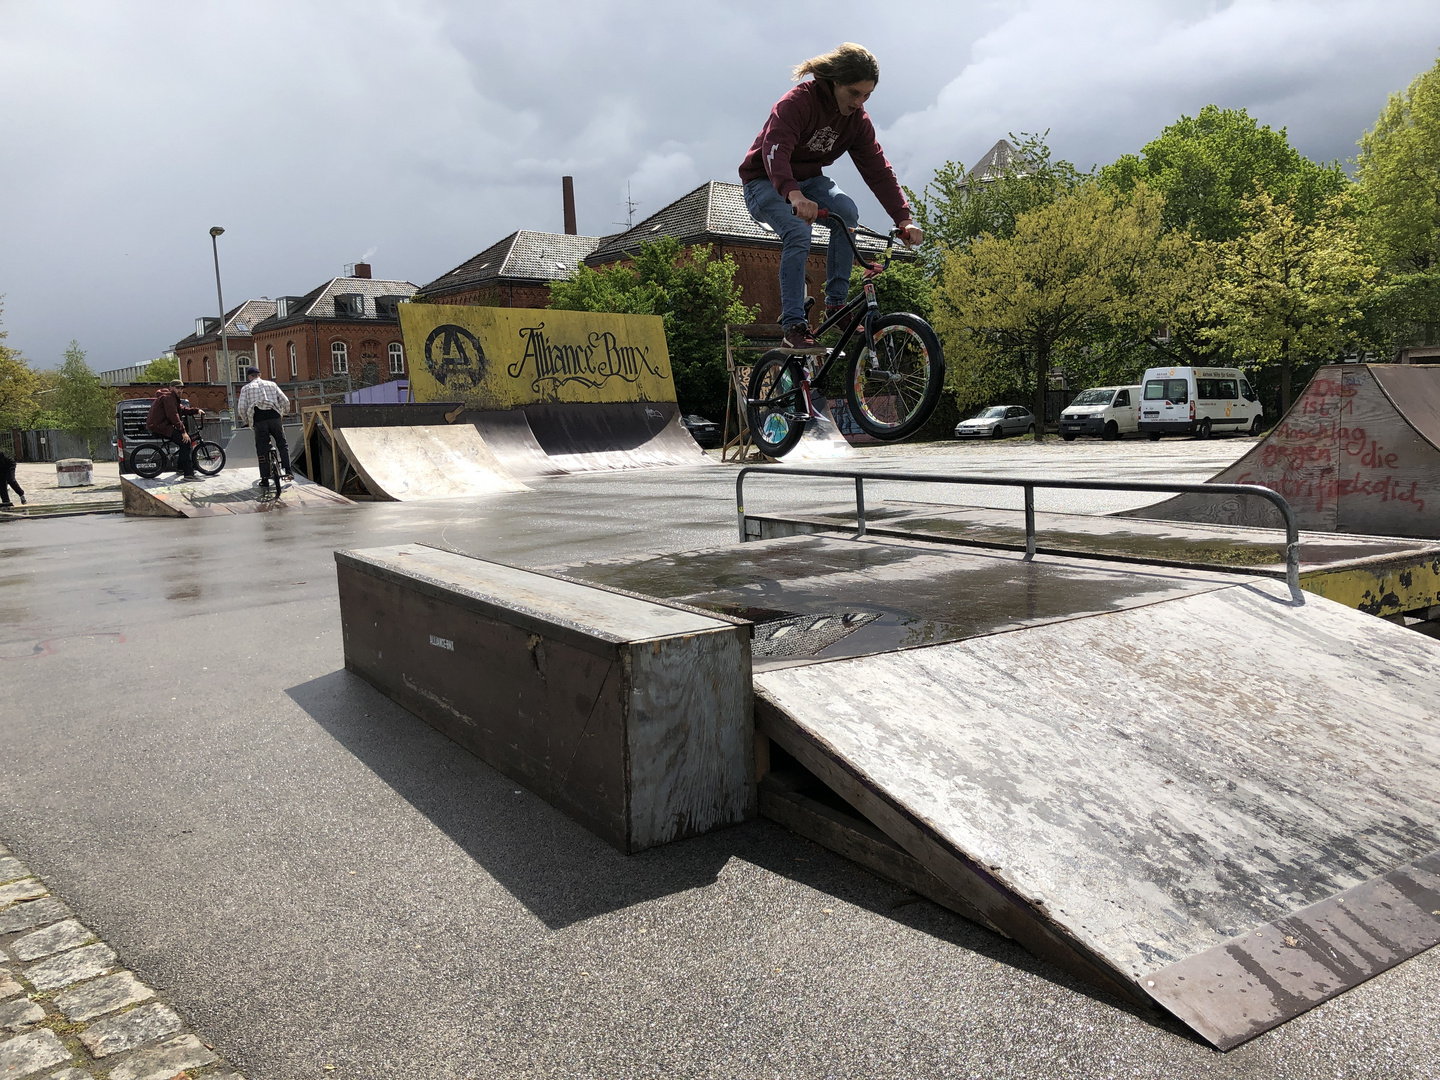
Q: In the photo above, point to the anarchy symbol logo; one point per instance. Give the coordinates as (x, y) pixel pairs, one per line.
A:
(454, 356)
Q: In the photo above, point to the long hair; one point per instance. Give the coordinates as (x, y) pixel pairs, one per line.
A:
(848, 64)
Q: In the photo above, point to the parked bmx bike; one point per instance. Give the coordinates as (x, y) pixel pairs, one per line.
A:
(892, 382)
(152, 458)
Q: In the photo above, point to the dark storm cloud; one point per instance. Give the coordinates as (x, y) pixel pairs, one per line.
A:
(420, 132)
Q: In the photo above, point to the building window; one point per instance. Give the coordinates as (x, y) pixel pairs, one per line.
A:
(206, 361)
(294, 367)
(270, 356)
(339, 359)
(397, 358)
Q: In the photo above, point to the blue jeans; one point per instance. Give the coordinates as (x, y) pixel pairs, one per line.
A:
(766, 206)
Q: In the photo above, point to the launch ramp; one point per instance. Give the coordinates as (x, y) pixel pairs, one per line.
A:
(425, 461)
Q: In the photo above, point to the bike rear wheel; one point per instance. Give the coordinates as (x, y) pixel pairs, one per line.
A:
(777, 403)
(209, 458)
(893, 383)
(147, 461)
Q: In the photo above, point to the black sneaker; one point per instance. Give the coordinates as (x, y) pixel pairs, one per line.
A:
(22, 498)
(799, 339)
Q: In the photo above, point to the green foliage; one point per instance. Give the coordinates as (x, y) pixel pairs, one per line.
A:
(18, 385)
(162, 369)
(1288, 291)
(904, 286)
(956, 209)
(695, 293)
(81, 403)
(1092, 264)
(1206, 166)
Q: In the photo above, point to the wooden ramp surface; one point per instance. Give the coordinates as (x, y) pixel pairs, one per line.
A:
(234, 491)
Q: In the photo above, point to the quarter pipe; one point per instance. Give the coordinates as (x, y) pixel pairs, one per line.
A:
(1358, 452)
(425, 462)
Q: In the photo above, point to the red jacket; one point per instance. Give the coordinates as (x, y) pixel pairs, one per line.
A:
(806, 132)
(163, 419)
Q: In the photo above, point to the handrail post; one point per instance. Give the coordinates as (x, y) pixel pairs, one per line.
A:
(1029, 522)
(860, 506)
(740, 501)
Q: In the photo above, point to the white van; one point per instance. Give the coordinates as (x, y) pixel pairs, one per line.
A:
(1197, 401)
(1110, 412)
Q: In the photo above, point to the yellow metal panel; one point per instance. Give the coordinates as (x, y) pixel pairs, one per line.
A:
(501, 358)
(1380, 590)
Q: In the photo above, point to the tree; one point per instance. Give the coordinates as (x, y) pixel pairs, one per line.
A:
(162, 369)
(18, 385)
(1289, 292)
(1398, 172)
(81, 402)
(695, 293)
(1092, 260)
(1206, 167)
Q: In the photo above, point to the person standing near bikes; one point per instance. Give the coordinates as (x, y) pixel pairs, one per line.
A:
(260, 406)
(785, 187)
(164, 421)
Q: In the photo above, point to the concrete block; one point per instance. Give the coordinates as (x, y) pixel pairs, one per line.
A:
(103, 996)
(8, 986)
(70, 1074)
(631, 715)
(130, 1029)
(51, 940)
(11, 869)
(164, 1061)
(36, 913)
(71, 967)
(74, 472)
(28, 889)
(31, 1052)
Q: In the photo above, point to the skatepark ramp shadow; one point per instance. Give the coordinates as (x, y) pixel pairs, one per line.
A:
(1358, 452)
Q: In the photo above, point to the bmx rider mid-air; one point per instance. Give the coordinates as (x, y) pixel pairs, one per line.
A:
(809, 128)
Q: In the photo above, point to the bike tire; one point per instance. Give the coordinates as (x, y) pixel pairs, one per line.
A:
(893, 382)
(209, 458)
(777, 385)
(275, 467)
(147, 461)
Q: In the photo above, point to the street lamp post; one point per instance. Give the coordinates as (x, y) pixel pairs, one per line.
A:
(224, 341)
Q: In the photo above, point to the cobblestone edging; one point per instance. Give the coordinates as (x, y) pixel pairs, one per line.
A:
(69, 1010)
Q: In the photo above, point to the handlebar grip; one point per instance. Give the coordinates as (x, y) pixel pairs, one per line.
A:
(822, 214)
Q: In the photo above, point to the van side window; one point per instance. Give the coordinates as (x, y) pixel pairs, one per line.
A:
(1122, 397)
(1225, 388)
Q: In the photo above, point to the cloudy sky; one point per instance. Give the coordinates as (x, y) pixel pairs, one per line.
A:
(416, 133)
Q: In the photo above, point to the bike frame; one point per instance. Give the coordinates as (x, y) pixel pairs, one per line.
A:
(852, 310)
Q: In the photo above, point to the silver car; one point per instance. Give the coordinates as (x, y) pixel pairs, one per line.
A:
(996, 422)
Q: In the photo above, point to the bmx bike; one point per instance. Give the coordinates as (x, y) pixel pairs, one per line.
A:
(151, 459)
(892, 382)
(272, 459)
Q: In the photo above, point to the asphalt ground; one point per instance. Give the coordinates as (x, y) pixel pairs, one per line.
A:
(316, 878)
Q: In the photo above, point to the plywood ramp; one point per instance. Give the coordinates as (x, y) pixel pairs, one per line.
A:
(234, 491)
(1233, 825)
(1358, 452)
(425, 462)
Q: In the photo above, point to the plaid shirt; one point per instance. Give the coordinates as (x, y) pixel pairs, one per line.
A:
(260, 394)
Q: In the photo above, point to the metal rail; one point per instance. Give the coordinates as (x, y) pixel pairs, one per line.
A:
(1292, 531)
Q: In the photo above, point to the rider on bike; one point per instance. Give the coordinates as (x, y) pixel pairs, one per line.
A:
(164, 421)
(809, 128)
(261, 405)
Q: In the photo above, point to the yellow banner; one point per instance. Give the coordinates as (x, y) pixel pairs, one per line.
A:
(501, 358)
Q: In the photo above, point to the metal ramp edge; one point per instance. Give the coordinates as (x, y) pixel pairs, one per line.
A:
(1236, 860)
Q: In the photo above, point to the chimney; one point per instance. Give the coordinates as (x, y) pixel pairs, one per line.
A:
(568, 184)
(362, 270)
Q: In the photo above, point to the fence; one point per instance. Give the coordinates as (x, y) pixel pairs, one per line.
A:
(55, 444)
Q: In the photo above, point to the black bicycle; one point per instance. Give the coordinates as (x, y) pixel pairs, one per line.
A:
(151, 459)
(273, 458)
(892, 383)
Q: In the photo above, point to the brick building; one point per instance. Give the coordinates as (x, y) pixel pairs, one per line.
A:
(201, 358)
(715, 214)
(347, 326)
(516, 272)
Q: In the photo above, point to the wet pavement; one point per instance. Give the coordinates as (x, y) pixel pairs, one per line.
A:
(316, 877)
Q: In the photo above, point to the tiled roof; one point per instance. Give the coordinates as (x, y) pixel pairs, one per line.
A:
(523, 256)
(714, 212)
(239, 322)
(319, 303)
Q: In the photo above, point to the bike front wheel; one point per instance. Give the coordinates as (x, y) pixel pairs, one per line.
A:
(777, 403)
(147, 461)
(893, 384)
(209, 458)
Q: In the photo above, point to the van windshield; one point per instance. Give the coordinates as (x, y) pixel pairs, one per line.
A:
(1094, 397)
(1174, 391)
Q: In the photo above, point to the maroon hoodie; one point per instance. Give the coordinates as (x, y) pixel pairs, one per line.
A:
(806, 132)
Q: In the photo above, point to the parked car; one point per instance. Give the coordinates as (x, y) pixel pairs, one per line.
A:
(1196, 401)
(996, 422)
(1111, 412)
(705, 432)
